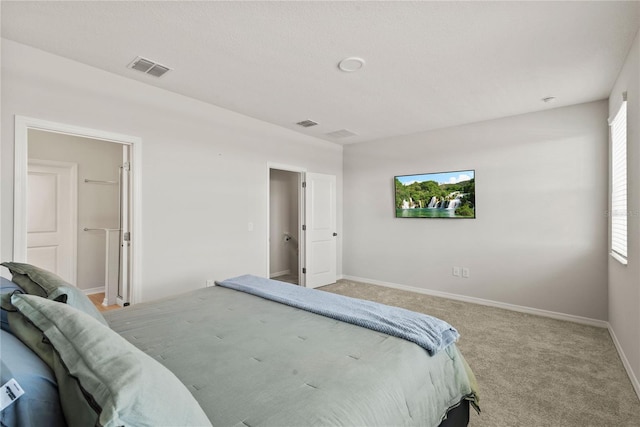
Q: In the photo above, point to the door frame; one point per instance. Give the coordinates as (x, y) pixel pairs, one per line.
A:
(22, 126)
(73, 192)
(301, 218)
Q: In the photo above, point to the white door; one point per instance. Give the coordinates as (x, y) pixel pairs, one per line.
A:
(52, 216)
(125, 226)
(320, 220)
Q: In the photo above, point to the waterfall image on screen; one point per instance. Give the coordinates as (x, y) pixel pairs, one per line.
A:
(436, 195)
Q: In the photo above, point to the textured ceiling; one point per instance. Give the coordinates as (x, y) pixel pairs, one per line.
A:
(428, 64)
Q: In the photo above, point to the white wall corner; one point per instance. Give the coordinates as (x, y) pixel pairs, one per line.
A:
(625, 362)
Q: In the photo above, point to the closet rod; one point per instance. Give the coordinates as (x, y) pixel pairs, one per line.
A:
(97, 181)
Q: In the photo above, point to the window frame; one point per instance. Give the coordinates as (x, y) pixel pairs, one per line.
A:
(618, 199)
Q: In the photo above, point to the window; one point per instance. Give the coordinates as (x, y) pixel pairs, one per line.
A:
(619, 183)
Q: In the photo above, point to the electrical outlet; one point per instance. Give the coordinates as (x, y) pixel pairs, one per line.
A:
(210, 283)
(465, 272)
(456, 271)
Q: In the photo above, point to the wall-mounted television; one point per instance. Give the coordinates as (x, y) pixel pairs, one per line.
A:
(436, 195)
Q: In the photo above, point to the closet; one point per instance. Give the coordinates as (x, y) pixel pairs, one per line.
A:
(78, 211)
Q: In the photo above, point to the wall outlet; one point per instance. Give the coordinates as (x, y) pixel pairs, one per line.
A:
(210, 283)
(456, 271)
(465, 272)
(250, 226)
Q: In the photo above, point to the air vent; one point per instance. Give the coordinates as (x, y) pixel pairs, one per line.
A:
(342, 133)
(148, 66)
(307, 123)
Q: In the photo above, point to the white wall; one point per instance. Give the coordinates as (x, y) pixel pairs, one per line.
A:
(624, 284)
(97, 203)
(283, 216)
(540, 236)
(204, 168)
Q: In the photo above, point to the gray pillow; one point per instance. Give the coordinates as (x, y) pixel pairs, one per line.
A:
(25, 331)
(6, 287)
(37, 281)
(103, 379)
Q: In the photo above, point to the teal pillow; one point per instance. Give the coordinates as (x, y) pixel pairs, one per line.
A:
(103, 379)
(37, 281)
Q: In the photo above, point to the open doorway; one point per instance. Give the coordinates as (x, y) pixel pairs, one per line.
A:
(305, 202)
(284, 225)
(76, 223)
(76, 206)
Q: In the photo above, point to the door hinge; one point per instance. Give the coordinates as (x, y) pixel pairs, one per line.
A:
(304, 227)
(304, 270)
(304, 184)
(126, 236)
(126, 166)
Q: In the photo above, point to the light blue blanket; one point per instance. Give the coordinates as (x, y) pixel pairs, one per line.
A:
(428, 332)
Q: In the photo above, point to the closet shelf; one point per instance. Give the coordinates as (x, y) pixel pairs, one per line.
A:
(97, 181)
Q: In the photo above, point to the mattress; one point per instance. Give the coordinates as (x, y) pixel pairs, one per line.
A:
(253, 362)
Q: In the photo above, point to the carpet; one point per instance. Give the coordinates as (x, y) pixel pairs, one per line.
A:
(531, 370)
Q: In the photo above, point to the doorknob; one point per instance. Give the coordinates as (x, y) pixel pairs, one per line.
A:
(335, 234)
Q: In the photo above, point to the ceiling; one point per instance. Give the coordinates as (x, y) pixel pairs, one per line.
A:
(428, 64)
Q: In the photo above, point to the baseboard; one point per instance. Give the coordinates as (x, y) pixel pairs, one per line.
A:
(91, 291)
(625, 362)
(279, 273)
(491, 303)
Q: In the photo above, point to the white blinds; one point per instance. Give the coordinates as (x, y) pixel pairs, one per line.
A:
(619, 182)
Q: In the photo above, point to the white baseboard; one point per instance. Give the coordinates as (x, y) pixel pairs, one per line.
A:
(279, 273)
(91, 291)
(491, 303)
(625, 362)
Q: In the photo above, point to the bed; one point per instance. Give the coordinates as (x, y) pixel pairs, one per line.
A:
(224, 357)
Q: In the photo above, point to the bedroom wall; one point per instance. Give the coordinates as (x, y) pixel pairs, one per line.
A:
(540, 236)
(204, 168)
(283, 255)
(624, 287)
(97, 203)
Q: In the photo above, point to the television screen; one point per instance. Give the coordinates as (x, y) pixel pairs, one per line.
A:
(436, 195)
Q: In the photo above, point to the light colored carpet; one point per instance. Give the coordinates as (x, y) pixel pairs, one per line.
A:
(532, 371)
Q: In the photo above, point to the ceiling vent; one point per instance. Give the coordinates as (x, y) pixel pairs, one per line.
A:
(307, 123)
(342, 133)
(148, 66)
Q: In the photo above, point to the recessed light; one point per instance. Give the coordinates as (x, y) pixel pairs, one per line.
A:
(349, 65)
(549, 99)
